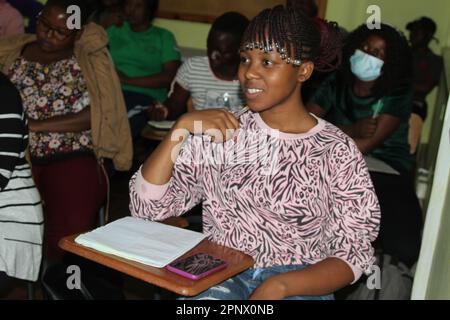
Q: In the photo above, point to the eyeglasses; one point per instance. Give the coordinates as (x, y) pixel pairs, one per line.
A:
(59, 34)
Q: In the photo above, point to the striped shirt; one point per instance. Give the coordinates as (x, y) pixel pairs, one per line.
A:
(208, 91)
(21, 218)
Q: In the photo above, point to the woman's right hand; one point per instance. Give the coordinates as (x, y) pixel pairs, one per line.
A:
(157, 112)
(365, 128)
(220, 124)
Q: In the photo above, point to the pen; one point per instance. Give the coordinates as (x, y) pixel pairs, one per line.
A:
(377, 108)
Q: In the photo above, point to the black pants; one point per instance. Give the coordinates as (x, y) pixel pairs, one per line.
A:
(401, 217)
(134, 101)
(5, 282)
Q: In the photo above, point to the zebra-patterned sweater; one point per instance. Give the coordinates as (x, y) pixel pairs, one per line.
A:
(284, 199)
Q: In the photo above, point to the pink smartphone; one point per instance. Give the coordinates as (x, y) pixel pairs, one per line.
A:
(197, 266)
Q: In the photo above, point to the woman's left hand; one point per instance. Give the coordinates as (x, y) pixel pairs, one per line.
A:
(271, 289)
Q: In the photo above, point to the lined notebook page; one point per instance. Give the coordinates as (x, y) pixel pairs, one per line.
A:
(151, 243)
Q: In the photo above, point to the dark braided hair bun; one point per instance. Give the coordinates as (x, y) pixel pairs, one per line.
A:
(295, 36)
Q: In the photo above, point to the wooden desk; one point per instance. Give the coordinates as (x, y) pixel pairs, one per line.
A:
(237, 262)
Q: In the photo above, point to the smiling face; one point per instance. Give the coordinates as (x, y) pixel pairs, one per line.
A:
(52, 32)
(268, 81)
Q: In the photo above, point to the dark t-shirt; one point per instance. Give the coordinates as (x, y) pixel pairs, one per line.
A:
(427, 67)
(344, 108)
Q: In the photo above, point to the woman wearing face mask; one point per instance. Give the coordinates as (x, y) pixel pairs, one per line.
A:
(370, 100)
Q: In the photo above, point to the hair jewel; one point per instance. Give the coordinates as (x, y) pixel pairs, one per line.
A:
(297, 63)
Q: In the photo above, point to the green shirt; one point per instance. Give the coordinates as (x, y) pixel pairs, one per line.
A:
(344, 108)
(142, 54)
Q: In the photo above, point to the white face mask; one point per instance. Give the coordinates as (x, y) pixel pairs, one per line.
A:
(366, 67)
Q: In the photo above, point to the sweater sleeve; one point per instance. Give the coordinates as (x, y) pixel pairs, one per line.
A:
(179, 195)
(355, 218)
(11, 132)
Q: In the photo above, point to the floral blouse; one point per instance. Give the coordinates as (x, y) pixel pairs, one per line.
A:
(52, 90)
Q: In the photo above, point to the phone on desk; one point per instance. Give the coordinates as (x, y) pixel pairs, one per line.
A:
(197, 266)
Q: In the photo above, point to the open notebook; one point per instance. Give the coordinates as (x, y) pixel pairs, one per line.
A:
(147, 242)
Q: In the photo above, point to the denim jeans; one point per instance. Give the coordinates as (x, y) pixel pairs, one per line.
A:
(241, 286)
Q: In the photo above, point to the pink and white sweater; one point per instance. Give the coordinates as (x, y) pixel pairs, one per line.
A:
(284, 199)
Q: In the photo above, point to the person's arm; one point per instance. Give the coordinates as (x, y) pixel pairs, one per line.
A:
(177, 102)
(172, 108)
(323, 278)
(353, 224)
(74, 122)
(385, 127)
(168, 183)
(159, 80)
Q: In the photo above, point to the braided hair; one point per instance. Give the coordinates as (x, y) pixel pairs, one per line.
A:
(397, 68)
(295, 36)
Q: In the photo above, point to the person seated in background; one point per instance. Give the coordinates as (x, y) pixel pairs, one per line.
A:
(77, 118)
(427, 68)
(11, 21)
(21, 218)
(146, 58)
(108, 13)
(332, 37)
(211, 81)
(29, 10)
(370, 100)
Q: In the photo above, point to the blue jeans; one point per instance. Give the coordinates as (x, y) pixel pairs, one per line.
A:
(241, 286)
